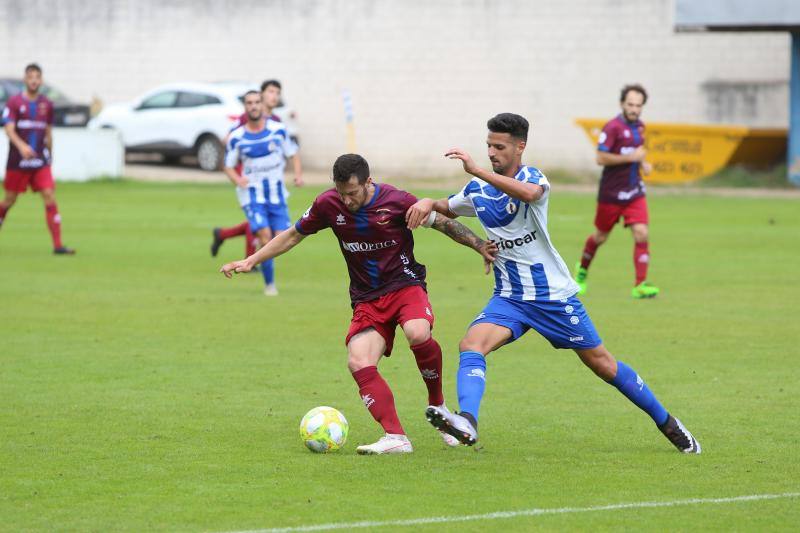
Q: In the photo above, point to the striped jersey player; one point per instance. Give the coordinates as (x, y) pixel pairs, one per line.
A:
(533, 289)
(261, 146)
(387, 285)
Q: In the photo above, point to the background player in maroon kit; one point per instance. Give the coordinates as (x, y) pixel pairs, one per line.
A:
(28, 119)
(270, 97)
(621, 152)
(387, 285)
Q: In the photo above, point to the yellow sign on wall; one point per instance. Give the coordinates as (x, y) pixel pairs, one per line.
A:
(685, 152)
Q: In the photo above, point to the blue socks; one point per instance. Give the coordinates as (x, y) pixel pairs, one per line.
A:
(635, 389)
(268, 271)
(471, 382)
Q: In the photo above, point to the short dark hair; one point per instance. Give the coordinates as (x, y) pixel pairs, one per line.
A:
(248, 93)
(635, 87)
(514, 125)
(33, 66)
(271, 83)
(349, 165)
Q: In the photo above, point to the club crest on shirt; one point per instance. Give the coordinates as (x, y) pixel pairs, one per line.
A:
(340, 219)
(511, 208)
(383, 216)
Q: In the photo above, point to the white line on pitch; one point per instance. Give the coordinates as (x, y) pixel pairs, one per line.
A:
(525, 512)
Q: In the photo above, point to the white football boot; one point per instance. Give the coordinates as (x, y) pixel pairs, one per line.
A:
(389, 443)
(270, 290)
(448, 439)
(453, 424)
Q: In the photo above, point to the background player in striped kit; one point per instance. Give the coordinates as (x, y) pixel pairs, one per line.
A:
(387, 285)
(533, 288)
(261, 146)
(270, 98)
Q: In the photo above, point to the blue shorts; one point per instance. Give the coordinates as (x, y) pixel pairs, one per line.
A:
(273, 216)
(564, 323)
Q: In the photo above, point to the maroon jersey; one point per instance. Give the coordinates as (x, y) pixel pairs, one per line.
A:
(621, 183)
(31, 119)
(375, 242)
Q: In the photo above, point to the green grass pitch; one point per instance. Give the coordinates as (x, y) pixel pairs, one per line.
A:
(142, 391)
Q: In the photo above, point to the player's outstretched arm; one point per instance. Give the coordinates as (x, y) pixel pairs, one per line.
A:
(526, 192)
(279, 245)
(463, 235)
(418, 213)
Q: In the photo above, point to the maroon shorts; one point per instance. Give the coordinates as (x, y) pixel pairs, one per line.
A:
(390, 310)
(19, 180)
(633, 212)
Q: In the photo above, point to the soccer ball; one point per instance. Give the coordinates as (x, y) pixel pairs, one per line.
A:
(324, 429)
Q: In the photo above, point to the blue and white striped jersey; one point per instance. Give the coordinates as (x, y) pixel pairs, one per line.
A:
(263, 157)
(528, 266)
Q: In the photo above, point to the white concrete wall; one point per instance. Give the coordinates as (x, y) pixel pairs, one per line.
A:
(80, 154)
(424, 74)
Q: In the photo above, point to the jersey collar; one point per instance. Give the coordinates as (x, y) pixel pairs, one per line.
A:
(374, 197)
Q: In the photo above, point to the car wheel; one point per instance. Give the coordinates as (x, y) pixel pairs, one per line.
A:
(209, 153)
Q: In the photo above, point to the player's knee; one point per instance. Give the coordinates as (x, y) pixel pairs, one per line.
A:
(640, 233)
(356, 362)
(48, 196)
(604, 366)
(600, 237)
(417, 335)
(469, 344)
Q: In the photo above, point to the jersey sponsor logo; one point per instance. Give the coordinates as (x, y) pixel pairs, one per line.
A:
(574, 320)
(507, 244)
(569, 309)
(27, 124)
(626, 133)
(340, 220)
(31, 163)
(627, 195)
(575, 339)
(368, 246)
(307, 213)
(253, 168)
(410, 273)
(625, 150)
(428, 311)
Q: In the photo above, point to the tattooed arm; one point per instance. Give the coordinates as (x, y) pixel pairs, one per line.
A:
(463, 235)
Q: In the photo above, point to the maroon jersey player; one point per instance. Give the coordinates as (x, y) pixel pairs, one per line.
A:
(621, 152)
(387, 284)
(27, 120)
